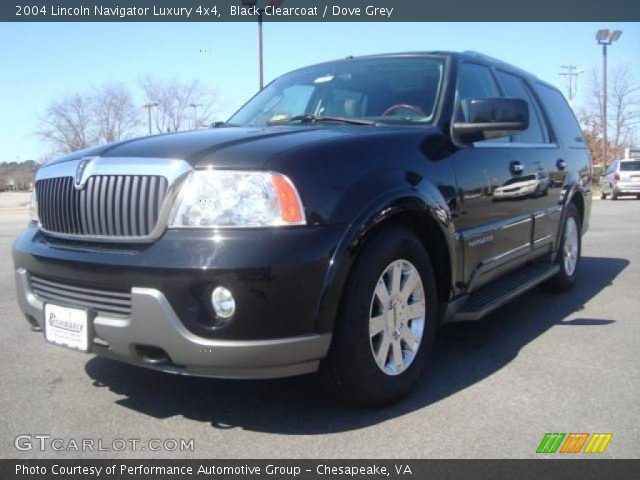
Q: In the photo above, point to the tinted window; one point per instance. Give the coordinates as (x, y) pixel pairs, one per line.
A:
(562, 119)
(514, 87)
(475, 81)
(387, 90)
(630, 166)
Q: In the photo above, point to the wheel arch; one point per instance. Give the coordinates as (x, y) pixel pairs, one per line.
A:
(578, 200)
(429, 218)
(573, 195)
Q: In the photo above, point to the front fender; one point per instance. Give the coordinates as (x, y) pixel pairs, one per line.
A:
(403, 192)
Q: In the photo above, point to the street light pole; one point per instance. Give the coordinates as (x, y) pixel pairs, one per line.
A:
(253, 4)
(604, 105)
(260, 54)
(195, 113)
(149, 106)
(605, 38)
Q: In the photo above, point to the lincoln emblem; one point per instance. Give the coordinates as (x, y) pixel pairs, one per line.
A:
(79, 183)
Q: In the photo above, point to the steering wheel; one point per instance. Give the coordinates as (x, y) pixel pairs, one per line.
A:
(406, 106)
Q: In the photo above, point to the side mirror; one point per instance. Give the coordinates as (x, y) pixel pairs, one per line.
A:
(489, 118)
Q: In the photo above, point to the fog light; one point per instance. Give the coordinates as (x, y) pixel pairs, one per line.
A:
(223, 303)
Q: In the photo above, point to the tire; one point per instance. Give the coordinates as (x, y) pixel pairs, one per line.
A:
(614, 194)
(350, 370)
(564, 280)
(603, 196)
(637, 197)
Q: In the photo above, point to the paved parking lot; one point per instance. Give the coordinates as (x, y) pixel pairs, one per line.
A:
(544, 363)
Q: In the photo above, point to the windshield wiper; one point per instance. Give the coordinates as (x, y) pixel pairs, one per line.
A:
(308, 118)
(222, 125)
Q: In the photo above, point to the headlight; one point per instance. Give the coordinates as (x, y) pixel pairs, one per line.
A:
(33, 207)
(227, 198)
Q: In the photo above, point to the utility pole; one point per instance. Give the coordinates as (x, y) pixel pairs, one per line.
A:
(149, 106)
(195, 113)
(571, 73)
(605, 38)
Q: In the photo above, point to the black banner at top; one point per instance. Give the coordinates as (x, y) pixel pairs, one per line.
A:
(317, 10)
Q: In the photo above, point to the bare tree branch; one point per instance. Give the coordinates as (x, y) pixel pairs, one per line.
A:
(67, 124)
(115, 114)
(623, 111)
(174, 98)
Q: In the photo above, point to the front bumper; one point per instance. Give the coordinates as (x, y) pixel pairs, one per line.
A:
(278, 285)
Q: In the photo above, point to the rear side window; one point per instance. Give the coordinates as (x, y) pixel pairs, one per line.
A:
(632, 166)
(562, 119)
(514, 87)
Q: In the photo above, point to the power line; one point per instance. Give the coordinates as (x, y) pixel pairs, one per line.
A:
(571, 73)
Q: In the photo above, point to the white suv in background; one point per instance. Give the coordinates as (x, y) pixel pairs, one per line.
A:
(621, 178)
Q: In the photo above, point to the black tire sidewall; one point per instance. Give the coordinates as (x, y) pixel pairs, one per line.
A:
(564, 280)
(350, 359)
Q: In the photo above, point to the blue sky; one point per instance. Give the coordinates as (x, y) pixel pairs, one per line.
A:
(43, 61)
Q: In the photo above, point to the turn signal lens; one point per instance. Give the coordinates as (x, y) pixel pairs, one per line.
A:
(290, 204)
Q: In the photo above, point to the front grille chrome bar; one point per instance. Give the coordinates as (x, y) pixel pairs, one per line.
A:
(118, 199)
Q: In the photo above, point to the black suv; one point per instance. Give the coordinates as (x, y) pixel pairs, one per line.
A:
(330, 225)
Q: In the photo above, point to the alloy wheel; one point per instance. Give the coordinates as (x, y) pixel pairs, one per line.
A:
(571, 243)
(397, 317)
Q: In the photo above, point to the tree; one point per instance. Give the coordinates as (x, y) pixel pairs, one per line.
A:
(67, 123)
(623, 113)
(175, 99)
(115, 114)
(105, 114)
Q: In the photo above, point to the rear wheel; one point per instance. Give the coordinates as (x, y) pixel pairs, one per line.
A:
(614, 194)
(386, 323)
(568, 254)
(603, 196)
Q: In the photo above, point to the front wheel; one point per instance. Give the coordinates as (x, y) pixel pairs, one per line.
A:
(386, 323)
(569, 253)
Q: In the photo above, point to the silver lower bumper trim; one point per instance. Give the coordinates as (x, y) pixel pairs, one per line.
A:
(154, 323)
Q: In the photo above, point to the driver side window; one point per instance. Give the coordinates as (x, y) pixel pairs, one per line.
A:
(475, 81)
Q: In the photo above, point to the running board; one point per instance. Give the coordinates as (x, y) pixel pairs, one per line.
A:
(494, 295)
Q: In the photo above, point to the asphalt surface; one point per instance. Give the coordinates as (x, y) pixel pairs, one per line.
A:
(544, 363)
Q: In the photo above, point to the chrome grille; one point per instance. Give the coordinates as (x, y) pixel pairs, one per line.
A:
(107, 206)
(104, 302)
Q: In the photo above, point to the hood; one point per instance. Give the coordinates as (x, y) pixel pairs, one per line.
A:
(230, 147)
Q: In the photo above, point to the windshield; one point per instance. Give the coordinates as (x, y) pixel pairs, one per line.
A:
(399, 90)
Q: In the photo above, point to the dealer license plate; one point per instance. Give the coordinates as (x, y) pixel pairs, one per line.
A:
(68, 327)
